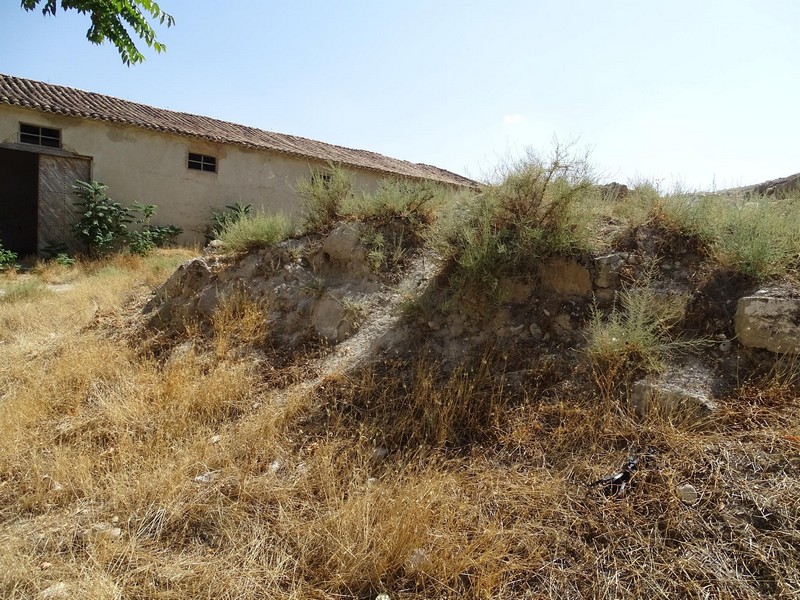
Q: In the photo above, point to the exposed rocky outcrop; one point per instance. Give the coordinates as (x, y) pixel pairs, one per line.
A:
(776, 187)
(305, 294)
(328, 288)
(780, 187)
(614, 190)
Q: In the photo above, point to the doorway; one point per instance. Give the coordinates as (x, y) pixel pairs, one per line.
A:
(19, 192)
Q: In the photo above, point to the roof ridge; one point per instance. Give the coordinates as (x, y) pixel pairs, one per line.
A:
(76, 102)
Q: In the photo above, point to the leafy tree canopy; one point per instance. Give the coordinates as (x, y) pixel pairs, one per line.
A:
(111, 20)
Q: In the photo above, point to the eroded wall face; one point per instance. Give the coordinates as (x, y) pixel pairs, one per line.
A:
(139, 165)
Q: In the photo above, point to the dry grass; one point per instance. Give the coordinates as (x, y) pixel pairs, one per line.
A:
(221, 487)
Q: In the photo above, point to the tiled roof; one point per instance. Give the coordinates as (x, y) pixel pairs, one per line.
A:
(72, 102)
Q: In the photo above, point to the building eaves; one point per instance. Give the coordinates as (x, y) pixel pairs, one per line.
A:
(60, 100)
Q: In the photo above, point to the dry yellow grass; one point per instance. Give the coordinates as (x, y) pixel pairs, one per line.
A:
(123, 475)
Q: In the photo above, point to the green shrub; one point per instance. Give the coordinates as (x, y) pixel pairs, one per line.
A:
(638, 332)
(149, 237)
(759, 237)
(325, 192)
(103, 225)
(103, 222)
(411, 200)
(8, 259)
(256, 231)
(540, 208)
(63, 259)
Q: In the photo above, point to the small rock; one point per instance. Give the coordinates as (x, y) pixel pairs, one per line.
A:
(535, 330)
(563, 323)
(206, 477)
(607, 270)
(215, 439)
(55, 486)
(372, 481)
(45, 565)
(103, 531)
(275, 466)
(604, 296)
(383, 596)
(379, 454)
(418, 560)
(57, 591)
(687, 493)
(214, 247)
(433, 325)
(614, 191)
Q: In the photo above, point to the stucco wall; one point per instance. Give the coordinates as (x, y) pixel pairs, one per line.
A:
(151, 167)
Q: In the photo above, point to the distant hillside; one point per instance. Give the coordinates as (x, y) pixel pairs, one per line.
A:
(774, 187)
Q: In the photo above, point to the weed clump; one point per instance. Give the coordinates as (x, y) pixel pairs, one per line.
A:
(542, 207)
(639, 331)
(255, 231)
(758, 236)
(24, 290)
(324, 193)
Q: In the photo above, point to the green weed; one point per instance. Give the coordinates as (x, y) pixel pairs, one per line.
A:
(542, 207)
(256, 231)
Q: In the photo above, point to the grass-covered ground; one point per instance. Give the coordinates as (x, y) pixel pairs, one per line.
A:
(131, 474)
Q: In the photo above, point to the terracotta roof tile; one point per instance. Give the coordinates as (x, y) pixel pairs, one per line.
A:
(56, 99)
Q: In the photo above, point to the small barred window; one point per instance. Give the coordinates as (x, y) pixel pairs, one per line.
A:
(201, 162)
(39, 136)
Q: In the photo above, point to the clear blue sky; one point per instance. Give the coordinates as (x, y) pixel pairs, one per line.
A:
(702, 92)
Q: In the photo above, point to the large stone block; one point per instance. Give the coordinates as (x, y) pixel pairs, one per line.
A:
(770, 319)
(566, 277)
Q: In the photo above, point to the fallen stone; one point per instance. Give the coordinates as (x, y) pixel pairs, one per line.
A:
(343, 248)
(607, 269)
(418, 560)
(769, 319)
(604, 297)
(105, 531)
(326, 316)
(687, 493)
(206, 477)
(379, 454)
(57, 591)
(681, 391)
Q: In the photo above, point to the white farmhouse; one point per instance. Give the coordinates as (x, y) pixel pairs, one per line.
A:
(186, 164)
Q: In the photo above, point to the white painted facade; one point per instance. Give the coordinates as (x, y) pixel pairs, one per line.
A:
(141, 165)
